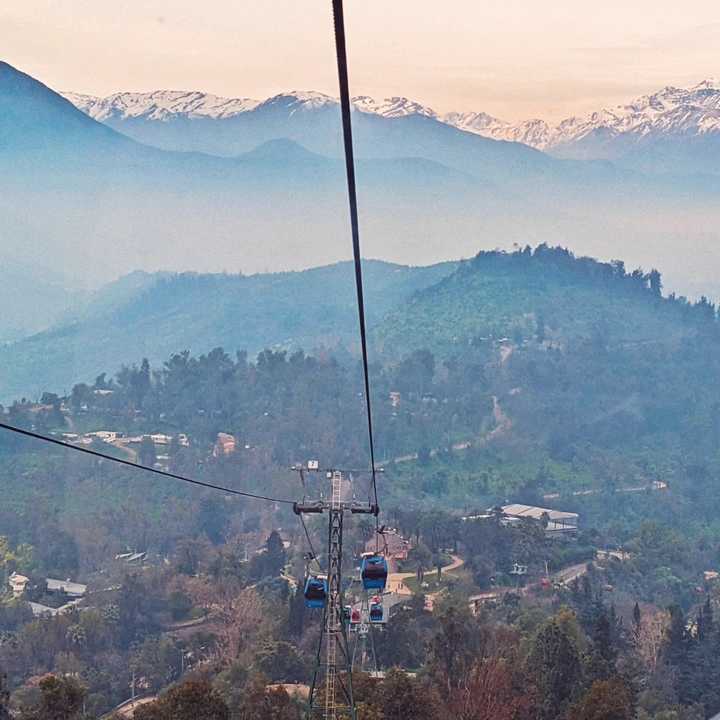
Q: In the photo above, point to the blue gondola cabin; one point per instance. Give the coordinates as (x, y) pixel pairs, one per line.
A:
(377, 612)
(374, 571)
(316, 592)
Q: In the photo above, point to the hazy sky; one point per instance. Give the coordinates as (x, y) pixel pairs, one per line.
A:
(512, 58)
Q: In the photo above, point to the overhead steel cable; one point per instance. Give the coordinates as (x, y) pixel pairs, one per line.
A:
(137, 466)
(310, 543)
(341, 53)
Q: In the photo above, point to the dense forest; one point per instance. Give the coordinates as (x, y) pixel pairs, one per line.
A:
(532, 377)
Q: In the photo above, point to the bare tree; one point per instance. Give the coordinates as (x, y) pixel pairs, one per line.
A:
(240, 620)
(489, 692)
(649, 637)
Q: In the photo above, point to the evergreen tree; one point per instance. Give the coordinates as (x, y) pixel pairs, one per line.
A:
(60, 699)
(296, 611)
(147, 454)
(554, 665)
(191, 700)
(609, 699)
(4, 699)
(677, 641)
(276, 556)
(604, 650)
(705, 622)
(637, 620)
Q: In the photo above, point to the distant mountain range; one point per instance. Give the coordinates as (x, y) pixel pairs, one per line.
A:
(686, 115)
(191, 182)
(78, 193)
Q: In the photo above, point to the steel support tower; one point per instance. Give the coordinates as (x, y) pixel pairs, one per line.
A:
(331, 695)
(364, 657)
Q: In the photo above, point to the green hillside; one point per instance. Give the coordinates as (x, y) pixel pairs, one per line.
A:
(499, 294)
(598, 381)
(154, 316)
(550, 373)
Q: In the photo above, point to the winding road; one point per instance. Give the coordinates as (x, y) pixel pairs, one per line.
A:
(396, 584)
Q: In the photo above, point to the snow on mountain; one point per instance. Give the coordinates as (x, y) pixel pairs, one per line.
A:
(160, 105)
(477, 122)
(670, 111)
(392, 107)
(303, 100)
(530, 132)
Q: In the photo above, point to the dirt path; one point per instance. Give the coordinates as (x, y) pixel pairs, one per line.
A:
(396, 583)
(505, 352)
(503, 423)
(432, 597)
(128, 708)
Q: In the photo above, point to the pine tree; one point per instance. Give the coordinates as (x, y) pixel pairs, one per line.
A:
(677, 643)
(637, 620)
(296, 611)
(554, 665)
(4, 700)
(705, 622)
(276, 556)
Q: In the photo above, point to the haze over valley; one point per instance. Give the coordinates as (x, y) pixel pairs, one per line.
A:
(169, 182)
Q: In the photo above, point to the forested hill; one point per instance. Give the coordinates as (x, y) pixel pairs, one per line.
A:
(154, 316)
(547, 292)
(565, 370)
(594, 373)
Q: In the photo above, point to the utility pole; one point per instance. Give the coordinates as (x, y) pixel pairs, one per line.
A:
(331, 695)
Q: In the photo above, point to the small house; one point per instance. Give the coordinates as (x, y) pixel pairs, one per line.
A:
(224, 445)
(18, 583)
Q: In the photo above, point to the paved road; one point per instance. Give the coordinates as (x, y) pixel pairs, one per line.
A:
(128, 708)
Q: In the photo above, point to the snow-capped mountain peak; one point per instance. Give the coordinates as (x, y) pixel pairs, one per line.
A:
(392, 107)
(669, 111)
(709, 84)
(160, 105)
(298, 100)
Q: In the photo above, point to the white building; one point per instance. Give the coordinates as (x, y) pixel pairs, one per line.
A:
(18, 583)
(71, 589)
(558, 521)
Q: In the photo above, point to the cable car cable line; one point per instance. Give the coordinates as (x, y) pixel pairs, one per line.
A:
(137, 466)
(345, 109)
(310, 544)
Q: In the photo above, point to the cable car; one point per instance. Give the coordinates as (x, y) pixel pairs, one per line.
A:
(373, 571)
(316, 591)
(377, 612)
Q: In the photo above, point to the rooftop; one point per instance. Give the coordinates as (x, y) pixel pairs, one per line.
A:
(67, 586)
(518, 510)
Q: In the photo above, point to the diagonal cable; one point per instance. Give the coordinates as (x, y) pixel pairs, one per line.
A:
(341, 53)
(137, 466)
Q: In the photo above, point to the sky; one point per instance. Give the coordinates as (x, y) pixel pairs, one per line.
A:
(515, 59)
